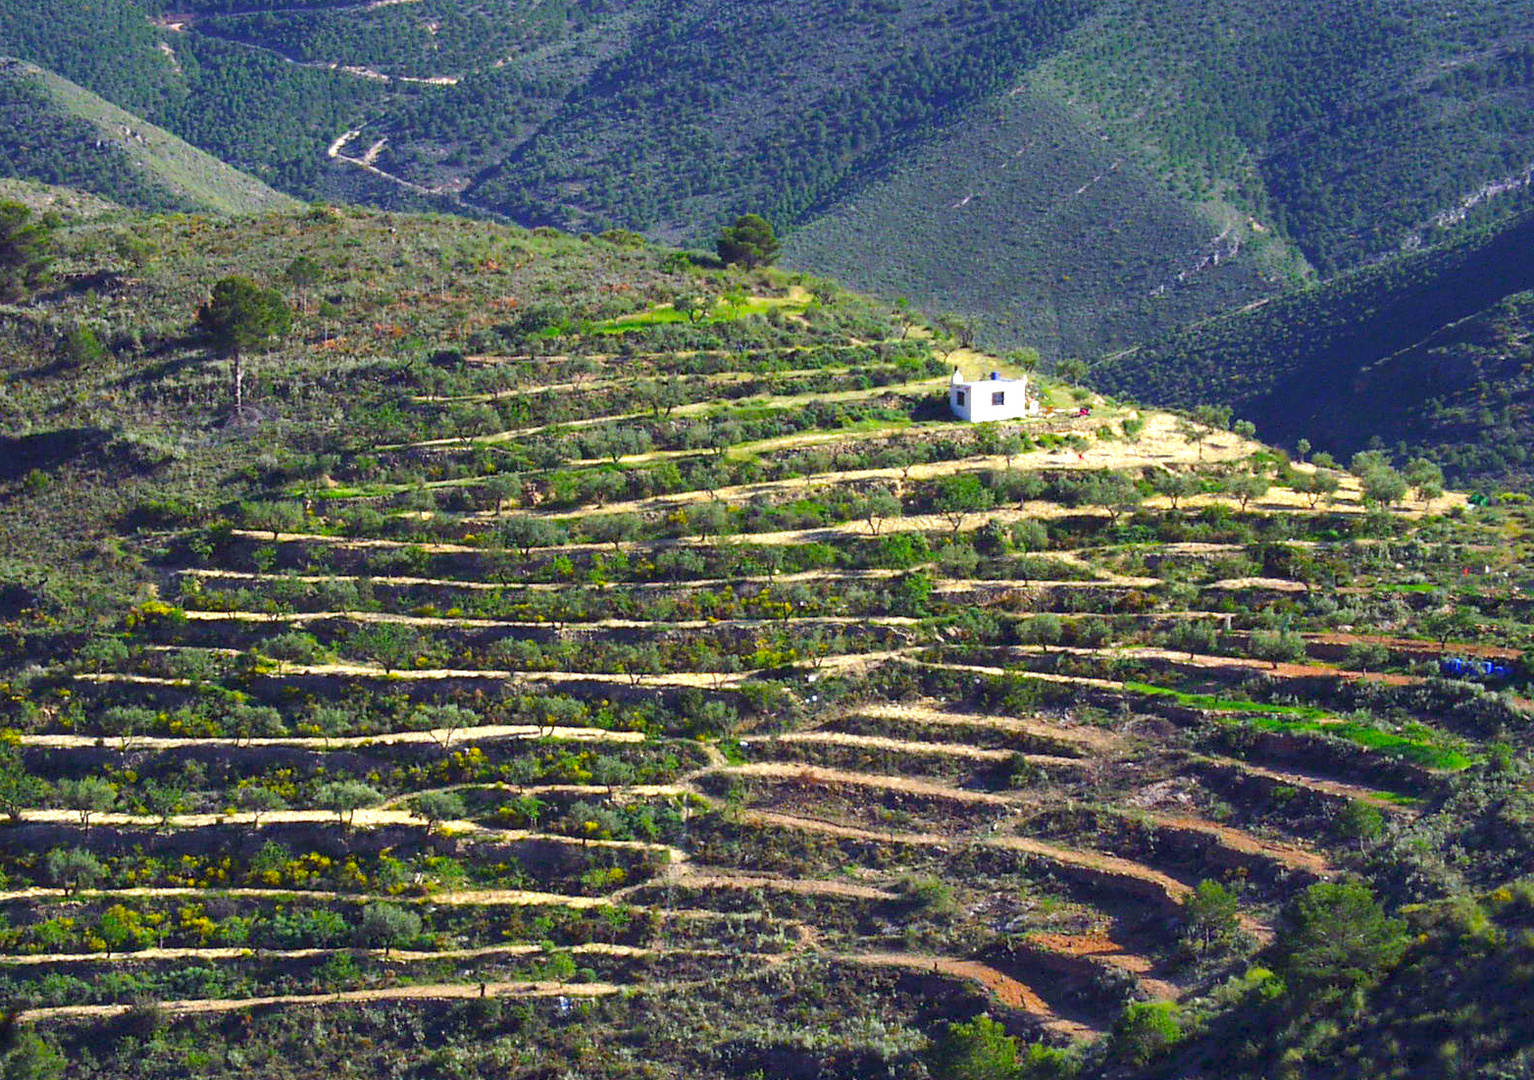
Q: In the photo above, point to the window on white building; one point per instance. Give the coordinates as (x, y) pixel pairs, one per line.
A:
(999, 398)
(958, 398)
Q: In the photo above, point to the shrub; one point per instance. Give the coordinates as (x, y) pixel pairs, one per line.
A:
(1145, 1031)
(928, 896)
(73, 869)
(1210, 914)
(32, 1058)
(1335, 936)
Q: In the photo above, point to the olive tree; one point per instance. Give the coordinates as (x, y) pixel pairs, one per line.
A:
(958, 496)
(437, 806)
(345, 797)
(1277, 646)
(73, 869)
(86, 796)
(388, 925)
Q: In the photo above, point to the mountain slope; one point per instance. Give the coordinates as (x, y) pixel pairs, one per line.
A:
(1325, 135)
(1354, 127)
(1428, 350)
(1016, 216)
(561, 621)
(56, 132)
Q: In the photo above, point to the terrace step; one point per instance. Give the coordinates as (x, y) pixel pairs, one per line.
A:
(1234, 841)
(879, 742)
(432, 992)
(1123, 875)
(1088, 737)
(1004, 988)
(484, 733)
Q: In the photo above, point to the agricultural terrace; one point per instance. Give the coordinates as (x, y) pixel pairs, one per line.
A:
(523, 659)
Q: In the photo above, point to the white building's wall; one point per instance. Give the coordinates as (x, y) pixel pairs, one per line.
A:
(960, 395)
(977, 400)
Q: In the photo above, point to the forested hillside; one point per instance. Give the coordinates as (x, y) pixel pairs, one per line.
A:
(249, 108)
(1355, 128)
(1428, 352)
(55, 132)
(1320, 137)
(1040, 231)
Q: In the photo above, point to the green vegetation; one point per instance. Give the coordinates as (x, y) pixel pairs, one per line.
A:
(562, 627)
(750, 242)
(1079, 174)
(25, 258)
(1425, 352)
(58, 133)
(242, 317)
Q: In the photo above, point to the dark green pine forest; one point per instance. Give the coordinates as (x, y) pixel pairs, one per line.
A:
(1195, 155)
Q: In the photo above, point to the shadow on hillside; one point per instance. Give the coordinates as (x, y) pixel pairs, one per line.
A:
(46, 450)
(99, 281)
(178, 354)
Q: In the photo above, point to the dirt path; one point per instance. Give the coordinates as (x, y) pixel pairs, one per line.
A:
(1338, 788)
(1286, 854)
(587, 385)
(619, 795)
(400, 955)
(607, 358)
(336, 150)
(542, 586)
(1419, 645)
(1097, 949)
(701, 679)
(1046, 676)
(459, 897)
(349, 541)
(1123, 875)
(298, 618)
(1234, 841)
(427, 992)
(820, 774)
(483, 733)
(372, 817)
(1199, 660)
(907, 746)
(694, 877)
(1004, 988)
(1007, 990)
(1167, 447)
(840, 531)
(762, 401)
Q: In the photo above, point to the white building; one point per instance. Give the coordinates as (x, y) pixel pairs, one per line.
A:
(991, 398)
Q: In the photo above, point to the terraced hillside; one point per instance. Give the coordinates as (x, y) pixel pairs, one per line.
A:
(534, 679)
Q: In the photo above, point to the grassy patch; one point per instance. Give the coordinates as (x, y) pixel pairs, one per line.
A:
(1418, 748)
(724, 311)
(1417, 751)
(1210, 701)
